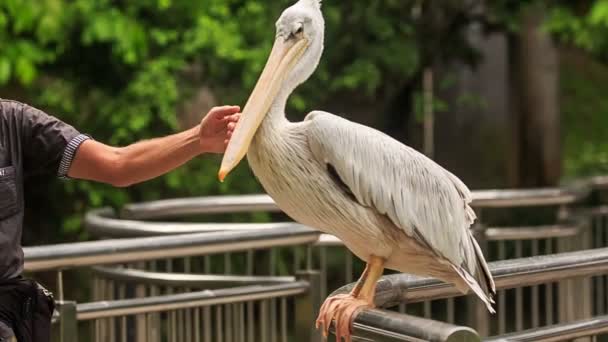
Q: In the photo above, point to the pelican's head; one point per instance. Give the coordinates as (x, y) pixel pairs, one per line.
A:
(294, 57)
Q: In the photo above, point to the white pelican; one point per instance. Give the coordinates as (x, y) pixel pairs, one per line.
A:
(390, 205)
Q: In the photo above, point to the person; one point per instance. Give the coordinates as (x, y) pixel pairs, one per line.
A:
(33, 142)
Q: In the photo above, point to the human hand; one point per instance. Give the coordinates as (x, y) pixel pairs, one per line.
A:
(216, 128)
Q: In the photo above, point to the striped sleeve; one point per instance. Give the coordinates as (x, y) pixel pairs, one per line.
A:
(69, 153)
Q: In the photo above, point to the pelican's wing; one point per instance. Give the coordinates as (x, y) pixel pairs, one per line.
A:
(429, 203)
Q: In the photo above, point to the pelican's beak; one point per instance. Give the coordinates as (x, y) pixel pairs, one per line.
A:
(284, 56)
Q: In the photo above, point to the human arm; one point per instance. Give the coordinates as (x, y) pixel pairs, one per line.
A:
(144, 160)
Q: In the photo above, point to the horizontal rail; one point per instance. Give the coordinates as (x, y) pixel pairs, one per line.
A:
(199, 205)
(187, 280)
(403, 327)
(497, 234)
(103, 223)
(139, 249)
(527, 197)
(396, 288)
(558, 332)
(532, 232)
(261, 202)
(126, 307)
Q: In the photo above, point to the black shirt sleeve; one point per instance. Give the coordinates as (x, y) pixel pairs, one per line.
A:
(47, 143)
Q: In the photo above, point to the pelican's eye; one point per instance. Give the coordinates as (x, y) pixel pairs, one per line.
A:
(298, 32)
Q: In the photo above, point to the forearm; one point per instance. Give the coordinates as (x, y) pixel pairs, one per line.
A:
(124, 166)
(139, 162)
(149, 159)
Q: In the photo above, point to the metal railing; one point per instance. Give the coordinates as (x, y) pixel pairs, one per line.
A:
(270, 253)
(395, 289)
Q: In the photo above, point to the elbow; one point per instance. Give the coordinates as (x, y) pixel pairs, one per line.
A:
(118, 183)
(118, 174)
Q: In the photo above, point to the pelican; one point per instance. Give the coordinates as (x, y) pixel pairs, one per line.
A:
(391, 206)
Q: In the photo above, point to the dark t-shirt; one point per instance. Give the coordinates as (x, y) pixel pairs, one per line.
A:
(31, 142)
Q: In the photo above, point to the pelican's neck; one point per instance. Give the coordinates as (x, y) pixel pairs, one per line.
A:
(276, 113)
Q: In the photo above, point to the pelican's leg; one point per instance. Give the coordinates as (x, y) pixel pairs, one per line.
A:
(343, 308)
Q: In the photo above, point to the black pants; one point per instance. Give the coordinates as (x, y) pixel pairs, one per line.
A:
(26, 308)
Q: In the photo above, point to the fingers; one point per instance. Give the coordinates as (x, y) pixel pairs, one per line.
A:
(222, 112)
(234, 117)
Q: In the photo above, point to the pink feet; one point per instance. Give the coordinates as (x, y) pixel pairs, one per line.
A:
(343, 309)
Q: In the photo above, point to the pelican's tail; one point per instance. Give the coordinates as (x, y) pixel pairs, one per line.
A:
(482, 284)
(472, 284)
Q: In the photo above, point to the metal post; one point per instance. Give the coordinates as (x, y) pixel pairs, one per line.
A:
(68, 323)
(307, 308)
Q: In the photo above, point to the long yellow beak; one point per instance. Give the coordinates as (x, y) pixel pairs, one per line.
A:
(284, 56)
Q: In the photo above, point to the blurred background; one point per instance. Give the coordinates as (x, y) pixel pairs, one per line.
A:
(505, 94)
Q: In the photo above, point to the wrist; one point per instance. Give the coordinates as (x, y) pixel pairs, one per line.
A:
(194, 140)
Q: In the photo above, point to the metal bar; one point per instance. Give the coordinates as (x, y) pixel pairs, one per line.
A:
(549, 290)
(323, 268)
(126, 250)
(427, 309)
(242, 320)
(307, 308)
(394, 288)
(519, 295)
(273, 319)
(497, 234)
(534, 293)
(534, 232)
(124, 307)
(68, 323)
(526, 197)
(558, 332)
(207, 323)
(599, 285)
(228, 323)
(349, 265)
(502, 319)
(264, 320)
(450, 310)
(199, 205)
(284, 319)
(400, 327)
(123, 329)
(208, 281)
(249, 203)
(218, 324)
(60, 285)
(236, 322)
(197, 325)
(250, 324)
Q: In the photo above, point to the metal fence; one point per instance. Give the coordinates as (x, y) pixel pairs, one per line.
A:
(224, 259)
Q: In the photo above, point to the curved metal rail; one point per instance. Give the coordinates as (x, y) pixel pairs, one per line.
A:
(558, 332)
(213, 238)
(127, 250)
(125, 307)
(187, 280)
(395, 288)
(260, 202)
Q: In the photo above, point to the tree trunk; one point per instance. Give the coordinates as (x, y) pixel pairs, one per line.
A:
(537, 153)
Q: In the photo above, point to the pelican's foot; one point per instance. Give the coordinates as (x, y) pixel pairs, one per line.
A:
(342, 308)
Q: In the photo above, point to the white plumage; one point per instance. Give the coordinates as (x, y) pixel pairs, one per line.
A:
(391, 206)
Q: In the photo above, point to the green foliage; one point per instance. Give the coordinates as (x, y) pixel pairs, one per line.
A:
(585, 116)
(119, 70)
